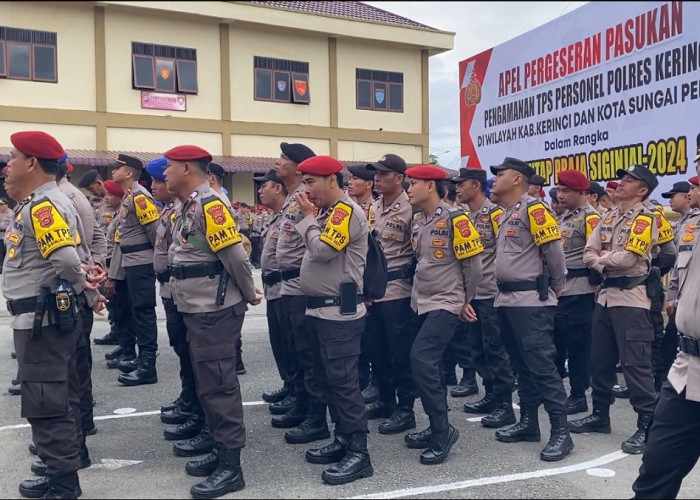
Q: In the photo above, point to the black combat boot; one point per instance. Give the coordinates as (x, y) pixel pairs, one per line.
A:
(313, 428)
(34, 488)
(201, 444)
(379, 409)
(127, 359)
(502, 414)
(293, 417)
(227, 478)
(440, 444)
(528, 429)
(63, 486)
(330, 453)
(418, 440)
(145, 373)
(179, 415)
(115, 353)
(109, 339)
(32, 448)
(598, 421)
(621, 391)
(560, 443)
(485, 405)
(355, 465)
(277, 395)
(370, 393)
(401, 419)
(204, 466)
(188, 430)
(576, 404)
(283, 406)
(466, 387)
(636, 443)
(39, 468)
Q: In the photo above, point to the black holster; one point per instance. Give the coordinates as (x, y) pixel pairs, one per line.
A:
(595, 278)
(543, 287)
(221, 289)
(66, 313)
(655, 288)
(42, 302)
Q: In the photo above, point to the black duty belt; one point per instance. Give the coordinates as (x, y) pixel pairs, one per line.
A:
(316, 302)
(624, 282)
(400, 273)
(577, 273)
(163, 277)
(22, 306)
(135, 248)
(290, 274)
(210, 269)
(689, 345)
(271, 278)
(516, 286)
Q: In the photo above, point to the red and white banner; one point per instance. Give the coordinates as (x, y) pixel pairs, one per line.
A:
(606, 86)
(167, 102)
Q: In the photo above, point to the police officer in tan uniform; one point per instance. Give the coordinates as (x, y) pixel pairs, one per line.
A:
(332, 280)
(530, 273)
(211, 282)
(486, 351)
(572, 321)
(6, 218)
(137, 235)
(448, 272)
(361, 185)
(45, 286)
(620, 248)
(593, 195)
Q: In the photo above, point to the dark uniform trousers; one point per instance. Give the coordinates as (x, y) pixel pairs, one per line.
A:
(625, 333)
(256, 247)
(83, 363)
(527, 333)
(660, 361)
(3, 249)
(388, 336)
(435, 331)
(50, 394)
(672, 447)
(572, 338)
(121, 312)
(666, 353)
(141, 286)
(307, 387)
(282, 342)
(483, 348)
(336, 371)
(214, 363)
(177, 335)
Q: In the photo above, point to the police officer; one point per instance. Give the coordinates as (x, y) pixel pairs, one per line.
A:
(594, 194)
(361, 185)
(389, 331)
(609, 201)
(137, 235)
(92, 181)
(535, 187)
(41, 253)
(211, 282)
(530, 272)
(332, 280)
(448, 272)
(256, 236)
(556, 207)
(6, 218)
(620, 248)
(485, 346)
(572, 321)
(273, 195)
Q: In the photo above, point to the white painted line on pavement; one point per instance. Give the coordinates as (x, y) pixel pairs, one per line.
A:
(437, 488)
(128, 415)
(113, 464)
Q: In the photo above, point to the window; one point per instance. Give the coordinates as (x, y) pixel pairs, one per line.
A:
(280, 80)
(28, 55)
(164, 68)
(379, 90)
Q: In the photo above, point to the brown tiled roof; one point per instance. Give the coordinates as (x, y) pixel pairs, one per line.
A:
(356, 11)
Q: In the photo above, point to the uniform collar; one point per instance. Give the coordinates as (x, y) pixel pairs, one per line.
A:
(44, 187)
(396, 206)
(440, 210)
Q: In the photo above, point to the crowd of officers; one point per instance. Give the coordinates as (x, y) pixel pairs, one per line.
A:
(478, 273)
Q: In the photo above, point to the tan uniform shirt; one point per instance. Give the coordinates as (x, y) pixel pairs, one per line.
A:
(110, 233)
(290, 245)
(137, 225)
(91, 237)
(628, 237)
(575, 227)
(40, 248)
(6, 219)
(104, 216)
(258, 224)
(486, 221)
(268, 257)
(336, 252)
(164, 238)
(442, 280)
(208, 234)
(365, 205)
(393, 226)
(686, 236)
(520, 258)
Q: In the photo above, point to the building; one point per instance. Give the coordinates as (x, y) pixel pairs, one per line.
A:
(236, 78)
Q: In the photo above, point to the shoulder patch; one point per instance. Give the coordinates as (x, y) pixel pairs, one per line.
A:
(496, 219)
(146, 211)
(50, 228)
(543, 226)
(465, 238)
(665, 228)
(592, 221)
(337, 230)
(639, 240)
(221, 229)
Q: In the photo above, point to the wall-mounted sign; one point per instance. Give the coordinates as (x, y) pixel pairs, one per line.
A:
(159, 100)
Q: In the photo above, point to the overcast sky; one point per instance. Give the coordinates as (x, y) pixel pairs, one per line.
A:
(478, 26)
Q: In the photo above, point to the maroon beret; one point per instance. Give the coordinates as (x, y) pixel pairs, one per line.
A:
(573, 179)
(37, 144)
(187, 153)
(611, 185)
(694, 180)
(113, 188)
(69, 168)
(320, 165)
(427, 173)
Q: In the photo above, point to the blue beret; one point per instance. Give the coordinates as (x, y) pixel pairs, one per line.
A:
(156, 168)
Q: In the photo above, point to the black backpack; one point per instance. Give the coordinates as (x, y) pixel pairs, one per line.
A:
(375, 277)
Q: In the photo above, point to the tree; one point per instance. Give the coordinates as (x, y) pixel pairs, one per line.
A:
(432, 159)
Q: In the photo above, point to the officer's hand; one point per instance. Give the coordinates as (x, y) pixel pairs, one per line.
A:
(670, 306)
(257, 299)
(369, 302)
(603, 253)
(468, 314)
(99, 306)
(95, 275)
(110, 288)
(307, 208)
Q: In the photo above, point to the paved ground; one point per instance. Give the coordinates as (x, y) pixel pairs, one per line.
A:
(132, 460)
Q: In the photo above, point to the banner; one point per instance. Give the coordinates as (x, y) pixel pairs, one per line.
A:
(167, 102)
(606, 86)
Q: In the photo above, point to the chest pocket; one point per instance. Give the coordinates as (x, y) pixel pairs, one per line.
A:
(13, 252)
(288, 237)
(393, 234)
(684, 259)
(438, 250)
(571, 238)
(512, 236)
